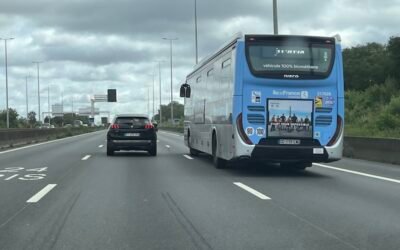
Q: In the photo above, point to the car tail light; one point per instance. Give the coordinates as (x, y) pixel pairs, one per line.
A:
(115, 126)
(148, 126)
(239, 124)
(338, 132)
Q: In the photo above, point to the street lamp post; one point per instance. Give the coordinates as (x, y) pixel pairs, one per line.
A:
(26, 93)
(153, 95)
(170, 49)
(159, 81)
(195, 31)
(148, 101)
(38, 83)
(5, 52)
(275, 16)
(48, 102)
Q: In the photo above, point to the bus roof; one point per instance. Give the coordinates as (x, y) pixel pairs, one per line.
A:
(208, 58)
(235, 38)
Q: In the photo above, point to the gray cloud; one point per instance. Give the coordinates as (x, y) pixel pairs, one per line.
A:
(91, 45)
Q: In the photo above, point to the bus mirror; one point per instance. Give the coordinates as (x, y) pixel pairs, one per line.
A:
(188, 90)
(185, 90)
(182, 91)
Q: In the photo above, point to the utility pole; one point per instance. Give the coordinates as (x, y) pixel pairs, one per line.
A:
(275, 16)
(5, 56)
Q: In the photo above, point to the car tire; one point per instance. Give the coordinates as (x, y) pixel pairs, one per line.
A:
(110, 151)
(218, 162)
(153, 150)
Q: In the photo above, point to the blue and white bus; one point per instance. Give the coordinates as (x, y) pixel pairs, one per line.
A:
(276, 98)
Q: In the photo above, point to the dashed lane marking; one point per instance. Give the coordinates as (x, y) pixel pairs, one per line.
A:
(188, 157)
(252, 191)
(37, 197)
(86, 157)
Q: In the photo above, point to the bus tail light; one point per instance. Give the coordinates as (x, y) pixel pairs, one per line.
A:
(239, 124)
(338, 132)
(115, 126)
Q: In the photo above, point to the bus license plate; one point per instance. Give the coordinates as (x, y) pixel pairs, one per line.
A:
(132, 134)
(289, 142)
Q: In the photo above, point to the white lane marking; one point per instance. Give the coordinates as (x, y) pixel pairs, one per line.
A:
(167, 146)
(86, 157)
(100, 146)
(252, 191)
(358, 173)
(47, 142)
(41, 193)
(188, 157)
(11, 177)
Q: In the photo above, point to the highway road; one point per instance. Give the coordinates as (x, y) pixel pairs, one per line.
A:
(68, 194)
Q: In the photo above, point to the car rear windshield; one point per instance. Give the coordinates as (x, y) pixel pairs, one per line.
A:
(132, 121)
(288, 56)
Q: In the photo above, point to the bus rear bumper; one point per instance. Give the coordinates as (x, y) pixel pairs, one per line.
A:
(290, 153)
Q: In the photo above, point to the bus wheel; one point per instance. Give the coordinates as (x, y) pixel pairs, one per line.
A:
(192, 151)
(218, 162)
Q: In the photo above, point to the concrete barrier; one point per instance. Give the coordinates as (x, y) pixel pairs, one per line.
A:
(15, 137)
(373, 149)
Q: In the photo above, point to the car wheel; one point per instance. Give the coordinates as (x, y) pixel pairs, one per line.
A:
(218, 162)
(110, 151)
(153, 151)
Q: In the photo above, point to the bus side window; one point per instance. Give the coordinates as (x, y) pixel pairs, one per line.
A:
(226, 63)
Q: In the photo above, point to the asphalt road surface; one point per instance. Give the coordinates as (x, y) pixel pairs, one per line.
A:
(68, 194)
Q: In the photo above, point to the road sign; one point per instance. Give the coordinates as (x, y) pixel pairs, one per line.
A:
(112, 95)
(57, 110)
(104, 120)
(88, 111)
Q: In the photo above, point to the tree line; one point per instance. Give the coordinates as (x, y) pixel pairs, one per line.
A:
(16, 121)
(372, 83)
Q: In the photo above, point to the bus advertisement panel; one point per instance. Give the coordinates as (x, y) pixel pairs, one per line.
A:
(288, 118)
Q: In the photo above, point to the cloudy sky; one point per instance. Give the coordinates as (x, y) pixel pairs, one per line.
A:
(89, 46)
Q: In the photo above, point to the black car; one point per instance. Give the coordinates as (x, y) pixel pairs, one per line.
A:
(132, 132)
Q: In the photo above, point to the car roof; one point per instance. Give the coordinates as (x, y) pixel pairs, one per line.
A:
(132, 115)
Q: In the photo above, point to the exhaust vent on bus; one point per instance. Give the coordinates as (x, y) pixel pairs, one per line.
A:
(256, 108)
(255, 118)
(323, 110)
(323, 120)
